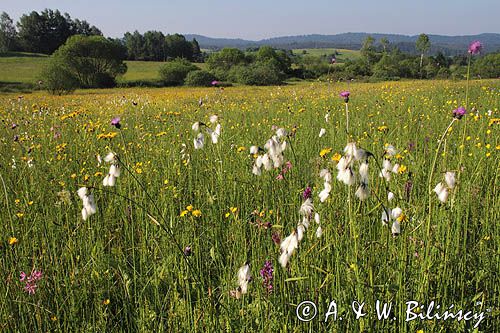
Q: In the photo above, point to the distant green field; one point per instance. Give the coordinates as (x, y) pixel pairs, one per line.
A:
(26, 68)
(343, 53)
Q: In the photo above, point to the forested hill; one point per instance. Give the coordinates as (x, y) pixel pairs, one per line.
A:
(450, 45)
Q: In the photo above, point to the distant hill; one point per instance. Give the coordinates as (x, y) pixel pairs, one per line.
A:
(450, 45)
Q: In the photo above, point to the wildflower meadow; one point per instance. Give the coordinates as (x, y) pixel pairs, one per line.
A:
(249, 209)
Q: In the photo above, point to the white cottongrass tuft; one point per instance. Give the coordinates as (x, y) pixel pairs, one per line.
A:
(390, 196)
(449, 177)
(254, 150)
(196, 126)
(322, 132)
(395, 228)
(199, 141)
(214, 118)
(114, 170)
(89, 207)
(244, 277)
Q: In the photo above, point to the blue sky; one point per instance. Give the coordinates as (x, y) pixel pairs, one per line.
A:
(261, 19)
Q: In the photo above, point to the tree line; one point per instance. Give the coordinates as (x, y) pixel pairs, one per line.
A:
(46, 31)
(42, 32)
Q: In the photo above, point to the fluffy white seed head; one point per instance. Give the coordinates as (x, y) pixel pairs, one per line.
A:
(390, 196)
(110, 157)
(396, 212)
(213, 118)
(362, 192)
(449, 177)
(395, 228)
(196, 126)
(322, 132)
(254, 150)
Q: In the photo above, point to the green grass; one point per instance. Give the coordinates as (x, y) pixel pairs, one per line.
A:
(124, 269)
(26, 68)
(344, 54)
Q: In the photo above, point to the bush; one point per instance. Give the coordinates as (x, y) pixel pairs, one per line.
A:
(84, 62)
(257, 74)
(174, 72)
(199, 79)
(58, 79)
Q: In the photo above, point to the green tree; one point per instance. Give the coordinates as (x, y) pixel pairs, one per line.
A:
(487, 66)
(173, 73)
(385, 43)
(135, 45)
(226, 58)
(197, 55)
(154, 46)
(368, 50)
(93, 61)
(423, 45)
(8, 33)
(199, 78)
(178, 47)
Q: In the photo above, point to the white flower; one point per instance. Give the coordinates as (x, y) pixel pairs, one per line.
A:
(110, 157)
(386, 165)
(109, 180)
(390, 196)
(327, 116)
(215, 136)
(114, 170)
(266, 161)
(316, 218)
(199, 141)
(326, 175)
(396, 212)
(395, 168)
(256, 170)
(288, 247)
(307, 208)
(439, 188)
(213, 118)
(254, 150)
(346, 176)
(395, 228)
(196, 127)
(490, 113)
(319, 232)
(363, 173)
(443, 195)
(322, 132)
(390, 150)
(281, 132)
(362, 192)
(300, 232)
(82, 192)
(449, 177)
(350, 149)
(244, 277)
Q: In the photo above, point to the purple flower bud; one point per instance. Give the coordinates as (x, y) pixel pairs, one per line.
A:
(459, 113)
(475, 47)
(345, 95)
(307, 193)
(188, 251)
(116, 122)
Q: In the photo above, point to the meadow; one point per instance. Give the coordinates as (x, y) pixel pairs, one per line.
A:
(167, 246)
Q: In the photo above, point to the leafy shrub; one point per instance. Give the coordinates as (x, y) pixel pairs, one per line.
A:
(257, 74)
(199, 79)
(84, 62)
(174, 72)
(58, 79)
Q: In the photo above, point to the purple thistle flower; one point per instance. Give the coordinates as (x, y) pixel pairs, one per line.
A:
(267, 276)
(345, 95)
(475, 47)
(116, 122)
(188, 251)
(459, 113)
(307, 193)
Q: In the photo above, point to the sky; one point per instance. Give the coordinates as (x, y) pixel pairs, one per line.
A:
(258, 19)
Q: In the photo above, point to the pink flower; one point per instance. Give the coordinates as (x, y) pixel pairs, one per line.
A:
(215, 83)
(459, 113)
(30, 288)
(345, 95)
(475, 47)
(22, 276)
(279, 177)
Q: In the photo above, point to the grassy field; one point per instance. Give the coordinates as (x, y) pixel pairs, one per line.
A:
(27, 68)
(165, 250)
(343, 53)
